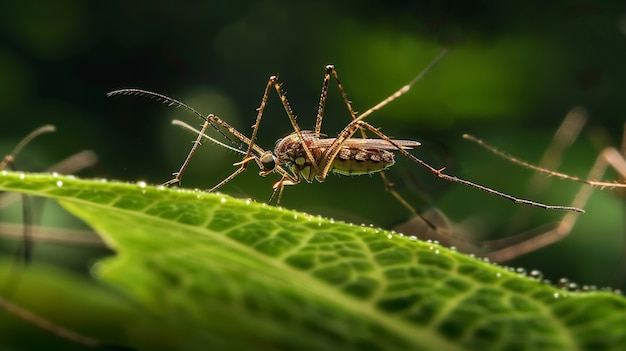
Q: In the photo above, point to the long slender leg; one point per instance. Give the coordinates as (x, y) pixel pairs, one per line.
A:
(179, 175)
(322, 103)
(294, 124)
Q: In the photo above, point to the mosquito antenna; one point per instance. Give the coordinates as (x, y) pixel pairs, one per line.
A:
(529, 165)
(184, 125)
(169, 102)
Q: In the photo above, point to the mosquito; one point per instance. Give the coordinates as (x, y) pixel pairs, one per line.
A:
(71, 164)
(310, 155)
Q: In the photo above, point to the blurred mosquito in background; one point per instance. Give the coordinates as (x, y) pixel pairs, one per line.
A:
(27, 233)
(72, 164)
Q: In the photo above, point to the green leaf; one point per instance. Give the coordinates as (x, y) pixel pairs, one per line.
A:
(207, 271)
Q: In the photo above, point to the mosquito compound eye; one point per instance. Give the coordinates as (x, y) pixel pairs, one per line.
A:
(268, 161)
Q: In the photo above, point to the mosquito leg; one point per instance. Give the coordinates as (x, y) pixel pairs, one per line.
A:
(279, 186)
(252, 147)
(179, 175)
(322, 103)
(294, 123)
(255, 127)
(330, 70)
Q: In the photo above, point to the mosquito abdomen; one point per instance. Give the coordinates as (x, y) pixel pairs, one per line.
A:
(358, 162)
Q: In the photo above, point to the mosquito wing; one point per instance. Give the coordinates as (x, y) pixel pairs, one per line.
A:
(368, 144)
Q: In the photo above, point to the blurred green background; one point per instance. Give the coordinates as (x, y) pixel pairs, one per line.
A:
(513, 73)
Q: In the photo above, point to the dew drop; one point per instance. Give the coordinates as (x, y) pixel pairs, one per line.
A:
(520, 271)
(141, 184)
(453, 248)
(248, 201)
(573, 287)
(295, 216)
(437, 251)
(556, 295)
(498, 274)
(389, 236)
(55, 174)
(22, 175)
(59, 183)
(223, 200)
(536, 274)
(562, 283)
